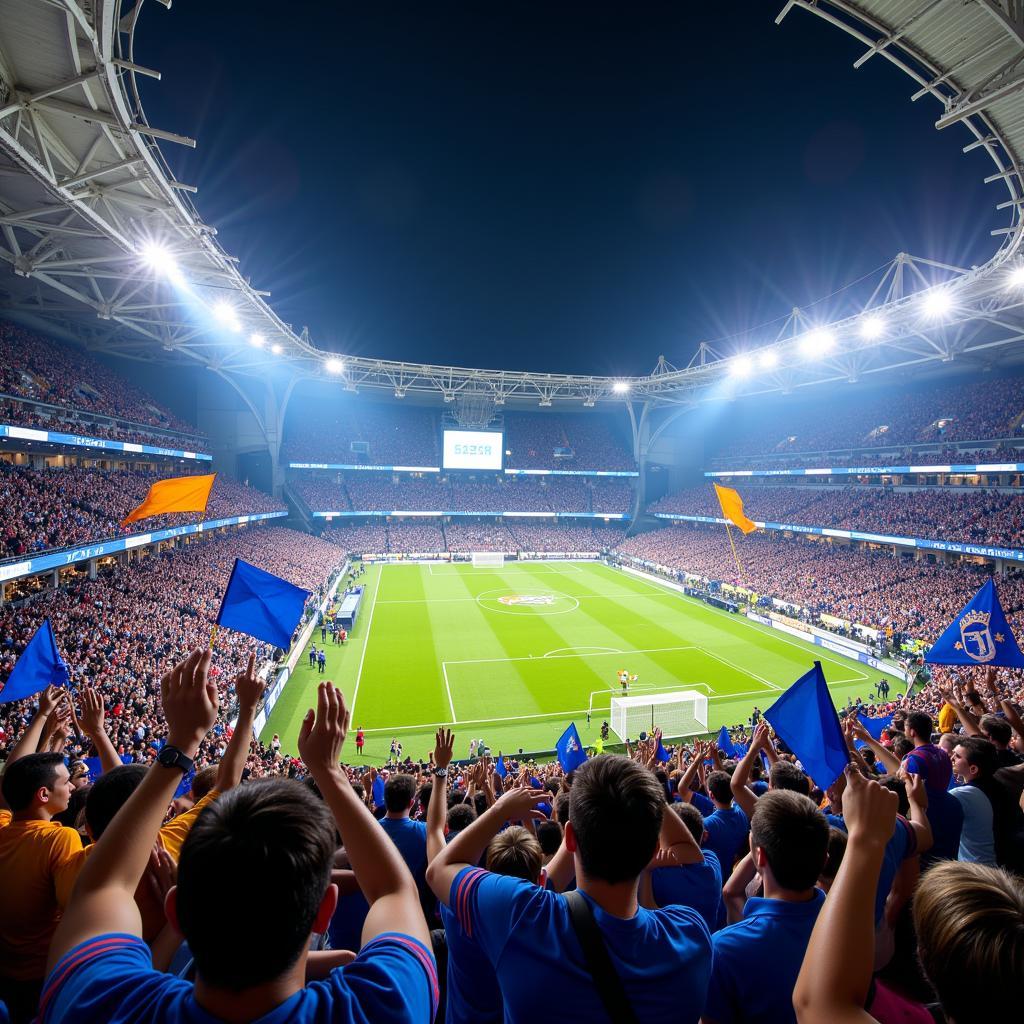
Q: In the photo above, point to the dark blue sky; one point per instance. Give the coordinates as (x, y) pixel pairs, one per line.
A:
(550, 185)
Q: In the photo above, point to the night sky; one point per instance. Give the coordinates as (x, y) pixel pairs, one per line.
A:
(548, 185)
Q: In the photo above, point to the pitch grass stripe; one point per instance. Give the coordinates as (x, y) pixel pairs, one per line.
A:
(366, 643)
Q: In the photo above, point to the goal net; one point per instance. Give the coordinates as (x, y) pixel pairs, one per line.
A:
(683, 713)
(489, 558)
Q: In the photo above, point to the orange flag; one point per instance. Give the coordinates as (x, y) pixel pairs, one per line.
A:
(179, 494)
(732, 508)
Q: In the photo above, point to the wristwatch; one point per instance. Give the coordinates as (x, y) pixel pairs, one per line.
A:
(441, 773)
(172, 757)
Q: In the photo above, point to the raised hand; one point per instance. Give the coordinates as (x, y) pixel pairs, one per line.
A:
(521, 803)
(49, 699)
(249, 687)
(189, 701)
(760, 737)
(869, 809)
(444, 744)
(323, 732)
(93, 714)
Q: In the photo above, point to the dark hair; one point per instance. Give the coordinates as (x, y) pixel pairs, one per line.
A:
(109, 794)
(26, 776)
(786, 776)
(901, 746)
(692, 819)
(981, 754)
(461, 816)
(899, 787)
(203, 781)
(836, 851)
(398, 793)
(720, 787)
(793, 834)
(616, 808)
(562, 808)
(423, 795)
(549, 835)
(273, 838)
(996, 729)
(920, 724)
(75, 808)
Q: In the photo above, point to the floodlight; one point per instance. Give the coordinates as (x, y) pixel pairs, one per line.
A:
(224, 312)
(818, 342)
(621, 387)
(257, 340)
(741, 366)
(334, 366)
(276, 349)
(937, 303)
(872, 327)
(157, 257)
(768, 358)
(1015, 279)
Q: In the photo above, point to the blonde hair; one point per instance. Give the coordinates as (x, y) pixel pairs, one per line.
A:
(969, 920)
(516, 853)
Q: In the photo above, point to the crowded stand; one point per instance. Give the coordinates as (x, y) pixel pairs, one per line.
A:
(971, 515)
(55, 508)
(376, 492)
(918, 456)
(945, 412)
(869, 587)
(359, 432)
(566, 441)
(36, 368)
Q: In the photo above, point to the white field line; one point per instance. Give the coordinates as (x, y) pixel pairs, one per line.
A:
(523, 567)
(553, 655)
(366, 643)
(448, 689)
(523, 718)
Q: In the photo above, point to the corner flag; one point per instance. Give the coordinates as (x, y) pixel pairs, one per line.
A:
(979, 635)
(570, 750)
(805, 719)
(262, 605)
(39, 666)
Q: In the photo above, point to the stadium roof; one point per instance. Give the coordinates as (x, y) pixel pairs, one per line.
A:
(102, 242)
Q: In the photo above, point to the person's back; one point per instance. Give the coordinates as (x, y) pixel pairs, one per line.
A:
(662, 958)
(38, 860)
(757, 960)
(698, 886)
(727, 826)
(410, 837)
(933, 764)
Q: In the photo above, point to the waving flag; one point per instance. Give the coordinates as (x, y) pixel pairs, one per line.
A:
(805, 719)
(570, 750)
(979, 635)
(499, 767)
(262, 605)
(725, 743)
(732, 508)
(39, 666)
(178, 494)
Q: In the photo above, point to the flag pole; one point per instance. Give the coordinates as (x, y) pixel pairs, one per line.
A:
(728, 530)
(213, 634)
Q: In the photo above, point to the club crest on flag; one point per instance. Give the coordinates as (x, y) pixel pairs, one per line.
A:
(976, 639)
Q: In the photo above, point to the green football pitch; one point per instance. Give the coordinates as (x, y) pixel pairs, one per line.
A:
(511, 655)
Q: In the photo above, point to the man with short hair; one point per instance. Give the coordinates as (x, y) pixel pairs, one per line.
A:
(991, 816)
(410, 837)
(757, 960)
(661, 959)
(999, 732)
(932, 764)
(99, 969)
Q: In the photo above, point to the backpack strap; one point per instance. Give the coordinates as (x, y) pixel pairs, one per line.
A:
(598, 962)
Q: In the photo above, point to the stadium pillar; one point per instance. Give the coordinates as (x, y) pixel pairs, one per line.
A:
(92, 568)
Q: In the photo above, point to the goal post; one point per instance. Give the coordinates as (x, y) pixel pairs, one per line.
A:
(683, 713)
(488, 559)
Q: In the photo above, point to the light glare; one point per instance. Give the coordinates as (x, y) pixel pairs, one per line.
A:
(276, 349)
(620, 387)
(334, 366)
(1015, 279)
(768, 358)
(742, 366)
(257, 340)
(224, 312)
(872, 327)
(818, 342)
(937, 303)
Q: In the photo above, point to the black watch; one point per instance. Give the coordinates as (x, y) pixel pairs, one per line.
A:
(441, 773)
(172, 757)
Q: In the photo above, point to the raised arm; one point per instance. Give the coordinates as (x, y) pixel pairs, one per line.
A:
(918, 817)
(249, 688)
(685, 787)
(444, 744)
(741, 791)
(28, 742)
(886, 757)
(836, 974)
(380, 870)
(466, 849)
(677, 840)
(104, 897)
(91, 720)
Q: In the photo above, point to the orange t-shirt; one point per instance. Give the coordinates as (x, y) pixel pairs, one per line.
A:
(38, 865)
(947, 718)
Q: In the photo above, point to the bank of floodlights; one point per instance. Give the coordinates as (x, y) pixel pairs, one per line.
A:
(334, 366)
(818, 342)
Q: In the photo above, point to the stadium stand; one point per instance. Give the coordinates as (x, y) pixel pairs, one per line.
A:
(56, 508)
(584, 443)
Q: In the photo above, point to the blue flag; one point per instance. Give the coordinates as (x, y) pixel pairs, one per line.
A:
(805, 719)
(94, 766)
(874, 726)
(661, 753)
(979, 635)
(262, 605)
(499, 767)
(39, 666)
(570, 750)
(725, 744)
(378, 791)
(186, 783)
